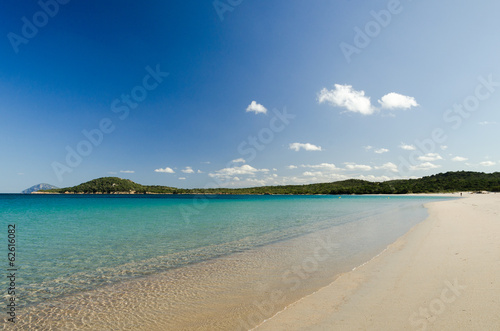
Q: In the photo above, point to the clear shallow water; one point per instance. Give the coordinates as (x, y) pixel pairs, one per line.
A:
(69, 244)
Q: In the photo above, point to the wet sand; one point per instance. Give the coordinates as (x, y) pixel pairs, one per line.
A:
(442, 275)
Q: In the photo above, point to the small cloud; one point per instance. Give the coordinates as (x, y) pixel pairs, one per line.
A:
(346, 97)
(381, 150)
(397, 101)
(325, 166)
(240, 160)
(367, 148)
(430, 157)
(307, 146)
(487, 163)
(354, 166)
(127, 171)
(312, 173)
(182, 178)
(112, 172)
(256, 108)
(407, 147)
(459, 159)
(292, 166)
(388, 166)
(166, 170)
(443, 147)
(199, 172)
(424, 166)
(487, 123)
(188, 170)
(206, 162)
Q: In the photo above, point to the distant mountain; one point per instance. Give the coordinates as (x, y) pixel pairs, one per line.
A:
(443, 182)
(38, 187)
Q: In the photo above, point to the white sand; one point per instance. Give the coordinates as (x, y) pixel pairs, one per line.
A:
(442, 275)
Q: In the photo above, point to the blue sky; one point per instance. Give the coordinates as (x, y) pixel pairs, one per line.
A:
(246, 93)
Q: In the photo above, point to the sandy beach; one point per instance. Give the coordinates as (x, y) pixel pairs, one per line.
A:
(442, 275)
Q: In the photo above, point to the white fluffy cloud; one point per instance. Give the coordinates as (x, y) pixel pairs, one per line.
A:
(182, 178)
(127, 171)
(459, 159)
(240, 160)
(307, 146)
(166, 170)
(381, 150)
(237, 171)
(345, 96)
(407, 147)
(256, 108)
(487, 163)
(292, 166)
(354, 166)
(430, 157)
(424, 166)
(397, 101)
(188, 170)
(388, 166)
(356, 101)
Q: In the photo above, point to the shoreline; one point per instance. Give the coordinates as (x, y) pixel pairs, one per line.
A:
(443, 274)
(294, 268)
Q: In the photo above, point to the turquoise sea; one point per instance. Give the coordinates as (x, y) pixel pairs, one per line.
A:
(69, 245)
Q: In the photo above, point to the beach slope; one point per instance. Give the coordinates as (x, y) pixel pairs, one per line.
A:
(442, 275)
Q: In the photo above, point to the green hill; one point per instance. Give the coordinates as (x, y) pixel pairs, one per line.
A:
(110, 185)
(443, 182)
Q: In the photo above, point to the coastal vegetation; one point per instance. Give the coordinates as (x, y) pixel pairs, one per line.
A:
(439, 183)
